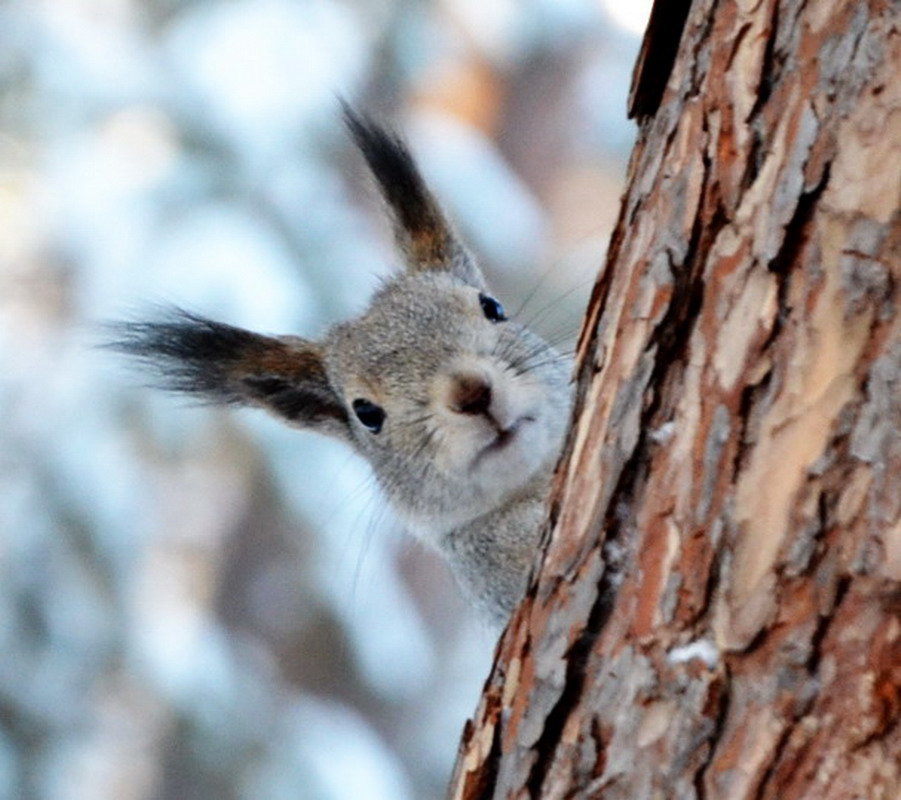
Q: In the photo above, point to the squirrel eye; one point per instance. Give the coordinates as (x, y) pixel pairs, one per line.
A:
(494, 311)
(371, 415)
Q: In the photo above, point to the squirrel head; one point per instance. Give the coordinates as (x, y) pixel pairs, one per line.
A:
(455, 406)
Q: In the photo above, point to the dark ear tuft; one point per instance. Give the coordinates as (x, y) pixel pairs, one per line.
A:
(184, 352)
(421, 229)
(218, 363)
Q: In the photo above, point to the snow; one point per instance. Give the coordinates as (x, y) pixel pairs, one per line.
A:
(702, 649)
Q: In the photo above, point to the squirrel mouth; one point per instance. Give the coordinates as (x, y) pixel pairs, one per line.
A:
(503, 438)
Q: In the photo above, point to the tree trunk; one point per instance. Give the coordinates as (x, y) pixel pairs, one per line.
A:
(718, 613)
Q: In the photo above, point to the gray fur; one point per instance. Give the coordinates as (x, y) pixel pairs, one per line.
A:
(482, 510)
(470, 481)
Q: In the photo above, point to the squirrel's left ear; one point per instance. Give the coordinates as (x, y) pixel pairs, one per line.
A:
(222, 364)
(422, 231)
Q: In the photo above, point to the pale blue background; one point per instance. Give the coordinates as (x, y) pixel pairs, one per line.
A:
(203, 604)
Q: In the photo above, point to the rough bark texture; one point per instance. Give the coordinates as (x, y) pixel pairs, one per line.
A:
(717, 613)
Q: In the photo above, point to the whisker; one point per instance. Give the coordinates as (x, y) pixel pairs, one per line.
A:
(542, 312)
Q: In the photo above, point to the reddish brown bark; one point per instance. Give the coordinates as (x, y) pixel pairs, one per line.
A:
(717, 613)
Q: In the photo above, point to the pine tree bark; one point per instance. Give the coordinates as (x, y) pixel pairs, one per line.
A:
(718, 610)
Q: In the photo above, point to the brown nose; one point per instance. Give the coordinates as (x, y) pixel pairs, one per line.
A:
(469, 394)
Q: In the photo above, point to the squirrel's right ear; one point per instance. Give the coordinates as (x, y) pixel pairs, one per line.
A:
(220, 363)
(422, 231)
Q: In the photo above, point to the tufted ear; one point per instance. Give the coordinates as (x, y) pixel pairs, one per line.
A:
(423, 233)
(222, 364)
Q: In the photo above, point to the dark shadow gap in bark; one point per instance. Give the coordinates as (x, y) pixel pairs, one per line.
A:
(657, 56)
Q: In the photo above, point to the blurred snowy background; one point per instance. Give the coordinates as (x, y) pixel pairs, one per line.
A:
(203, 604)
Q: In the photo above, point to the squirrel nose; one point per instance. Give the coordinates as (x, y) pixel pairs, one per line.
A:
(469, 394)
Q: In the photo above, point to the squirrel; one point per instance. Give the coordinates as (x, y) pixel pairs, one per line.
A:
(460, 411)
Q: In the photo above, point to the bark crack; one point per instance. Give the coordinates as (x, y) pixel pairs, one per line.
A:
(770, 70)
(795, 238)
(818, 636)
(577, 670)
(719, 725)
(657, 56)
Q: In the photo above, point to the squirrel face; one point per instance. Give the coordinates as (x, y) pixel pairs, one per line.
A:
(455, 406)
(460, 411)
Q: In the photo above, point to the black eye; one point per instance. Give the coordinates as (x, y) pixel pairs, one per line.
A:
(371, 415)
(493, 310)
